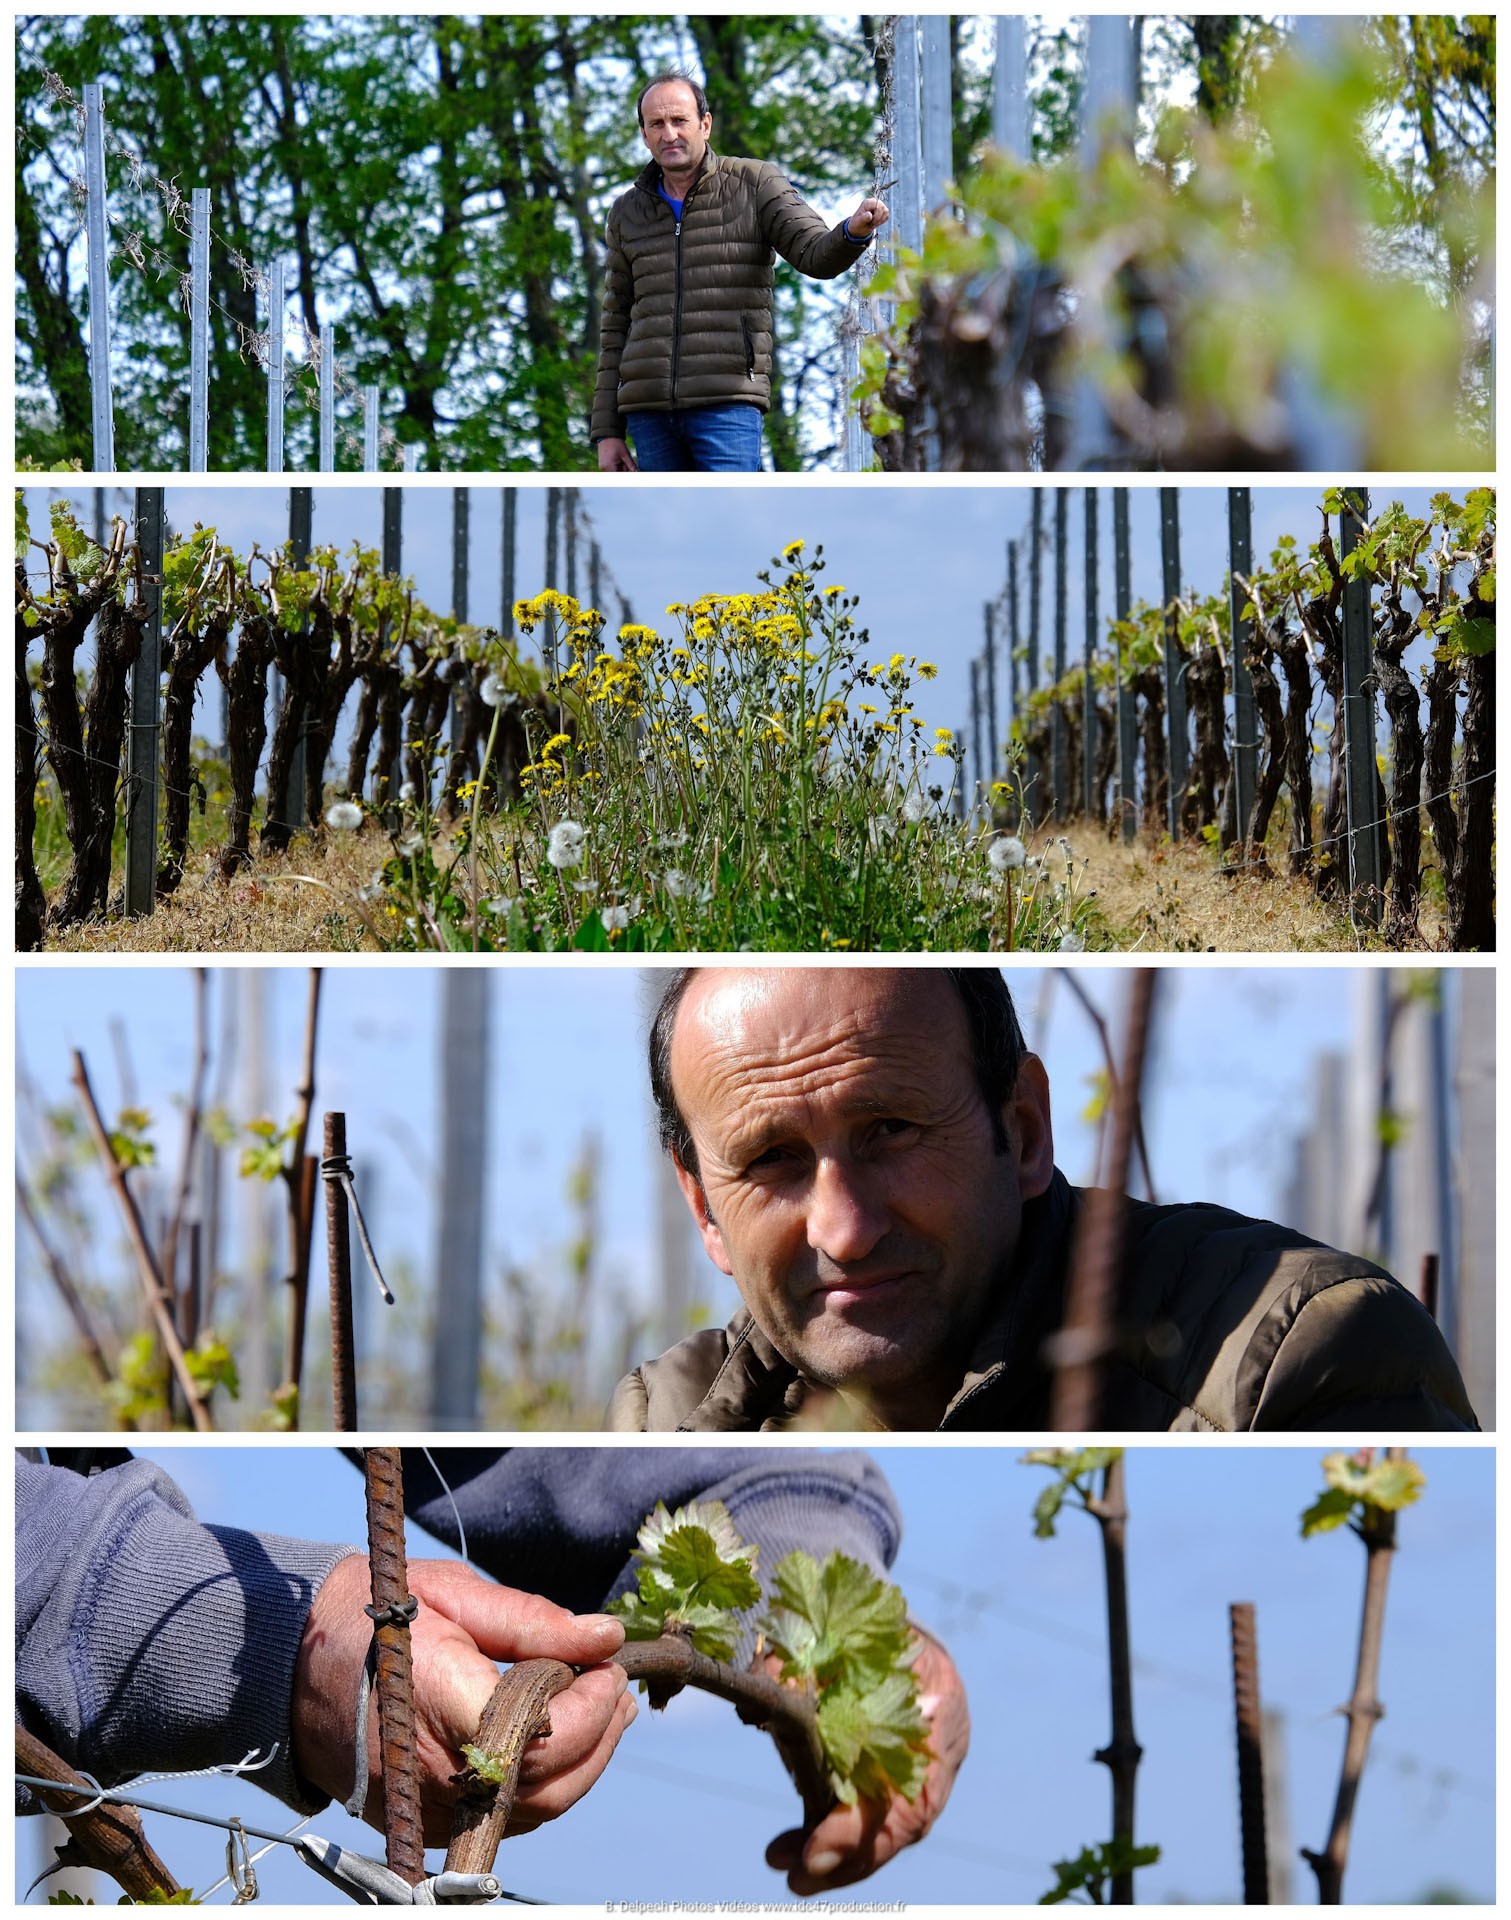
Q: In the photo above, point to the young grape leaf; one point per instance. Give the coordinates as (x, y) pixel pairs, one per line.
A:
(693, 1572)
(1092, 1868)
(1330, 1509)
(1075, 1466)
(877, 1742)
(1356, 1485)
(837, 1623)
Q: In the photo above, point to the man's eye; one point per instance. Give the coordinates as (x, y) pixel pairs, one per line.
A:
(894, 1129)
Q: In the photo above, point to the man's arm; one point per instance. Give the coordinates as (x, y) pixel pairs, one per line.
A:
(607, 427)
(803, 237)
(146, 1640)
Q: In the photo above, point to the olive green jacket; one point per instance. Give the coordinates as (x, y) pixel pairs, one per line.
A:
(1228, 1325)
(687, 303)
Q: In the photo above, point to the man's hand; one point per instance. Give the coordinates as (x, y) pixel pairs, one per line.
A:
(614, 456)
(851, 1842)
(465, 1624)
(867, 217)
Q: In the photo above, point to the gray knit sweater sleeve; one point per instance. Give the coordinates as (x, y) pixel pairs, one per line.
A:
(562, 1520)
(145, 1639)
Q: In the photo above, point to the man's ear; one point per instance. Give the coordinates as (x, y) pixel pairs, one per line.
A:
(1030, 1130)
(697, 1206)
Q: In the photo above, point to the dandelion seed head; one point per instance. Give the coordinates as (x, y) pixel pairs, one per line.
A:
(1072, 942)
(564, 848)
(345, 816)
(1006, 854)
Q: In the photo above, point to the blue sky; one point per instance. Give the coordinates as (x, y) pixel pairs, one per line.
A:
(567, 1058)
(924, 560)
(1024, 1621)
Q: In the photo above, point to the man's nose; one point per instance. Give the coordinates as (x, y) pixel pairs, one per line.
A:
(847, 1216)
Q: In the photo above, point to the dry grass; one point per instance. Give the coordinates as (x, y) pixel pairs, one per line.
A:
(302, 901)
(1152, 896)
(1164, 898)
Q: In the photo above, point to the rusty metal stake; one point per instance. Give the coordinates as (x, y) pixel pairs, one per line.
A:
(339, 1244)
(1250, 1719)
(392, 1609)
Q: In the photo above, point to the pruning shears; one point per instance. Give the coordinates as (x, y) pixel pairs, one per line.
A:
(372, 1884)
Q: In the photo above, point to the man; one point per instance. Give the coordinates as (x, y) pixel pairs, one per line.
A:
(685, 363)
(145, 1639)
(869, 1154)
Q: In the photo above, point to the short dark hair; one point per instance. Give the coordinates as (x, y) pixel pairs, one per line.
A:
(997, 1050)
(671, 75)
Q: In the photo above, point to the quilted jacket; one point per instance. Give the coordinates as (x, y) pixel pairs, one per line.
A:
(1228, 1325)
(687, 303)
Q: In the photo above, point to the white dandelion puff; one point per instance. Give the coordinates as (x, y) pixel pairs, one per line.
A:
(1006, 854)
(564, 848)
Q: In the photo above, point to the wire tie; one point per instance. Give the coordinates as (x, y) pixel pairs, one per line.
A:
(399, 1613)
(338, 1167)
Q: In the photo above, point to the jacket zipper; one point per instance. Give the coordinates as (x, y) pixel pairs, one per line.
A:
(677, 314)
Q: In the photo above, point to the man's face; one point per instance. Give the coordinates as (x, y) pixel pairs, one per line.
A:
(671, 128)
(848, 1174)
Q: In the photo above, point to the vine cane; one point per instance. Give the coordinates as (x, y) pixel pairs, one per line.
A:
(110, 1839)
(392, 1609)
(519, 1710)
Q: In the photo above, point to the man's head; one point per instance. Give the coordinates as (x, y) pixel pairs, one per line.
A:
(855, 1145)
(675, 124)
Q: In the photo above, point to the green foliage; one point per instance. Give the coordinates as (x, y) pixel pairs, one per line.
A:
(282, 1415)
(839, 1632)
(211, 1365)
(139, 1392)
(692, 1571)
(1090, 1874)
(1255, 269)
(128, 1139)
(263, 1159)
(1358, 1486)
(756, 779)
(844, 1633)
(1074, 1469)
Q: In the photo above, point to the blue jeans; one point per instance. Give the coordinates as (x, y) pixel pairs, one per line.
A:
(698, 440)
